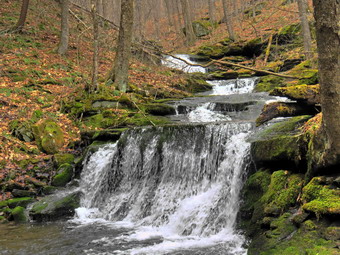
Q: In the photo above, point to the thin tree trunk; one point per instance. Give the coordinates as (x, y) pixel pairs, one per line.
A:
(327, 16)
(23, 14)
(95, 46)
(121, 66)
(228, 20)
(307, 38)
(64, 37)
(189, 30)
(212, 11)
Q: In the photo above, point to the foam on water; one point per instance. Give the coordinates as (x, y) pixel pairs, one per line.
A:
(205, 114)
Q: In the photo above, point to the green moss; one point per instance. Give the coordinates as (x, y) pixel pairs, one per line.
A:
(65, 173)
(18, 214)
(195, 84)
(301, 92)
(282, 191)
(22, 201)
(321, 199)
(39, 207)
(60, 159)
(268, 83)
(140, 119)
(49, 136)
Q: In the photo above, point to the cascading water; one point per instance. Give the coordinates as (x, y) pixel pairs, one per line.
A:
(178, 185)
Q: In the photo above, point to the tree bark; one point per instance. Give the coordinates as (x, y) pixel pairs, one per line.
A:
(94, 82)
(64, 36)
(327, 16)
(22, 19)
(123, 53)
(212, 11)
(307, 38)
(228, 20)
(189, 30)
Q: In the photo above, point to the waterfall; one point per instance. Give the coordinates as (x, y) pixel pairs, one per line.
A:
(181, 65)
(177, 183)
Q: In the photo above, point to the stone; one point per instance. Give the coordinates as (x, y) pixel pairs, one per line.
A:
(62, 158)
(49, 136)
(22, 193)
(307, 94)
(64, 175)
(55, 207)
(19, 215)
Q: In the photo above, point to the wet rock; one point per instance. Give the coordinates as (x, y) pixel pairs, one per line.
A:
(19, 215)
(307, 94)
(64, 175)
(49, 136)
(281, 142)
(23, 202)
(55, 207)
(159, 109)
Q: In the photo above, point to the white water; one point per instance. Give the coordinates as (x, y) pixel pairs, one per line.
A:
(206, 114)
(181, 65)
(183, 191)
(237, 86)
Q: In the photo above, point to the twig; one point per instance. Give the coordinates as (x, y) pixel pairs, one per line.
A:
(153, 124)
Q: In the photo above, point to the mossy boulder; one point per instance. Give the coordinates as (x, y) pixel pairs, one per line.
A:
(288, 34)
(19, 215)
(321, 199)
(268, 83)
(282, 142)
(159, 109)
(280, 109)
(55, 207)
(223, 75)
(64, 175)
(22, 201)
(307, 94)
(202, 27)
(63, 158)
(49, 136)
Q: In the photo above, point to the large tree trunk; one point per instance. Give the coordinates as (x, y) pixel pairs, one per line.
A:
(23, 14)
(64, 36)
(227, 20)
(307, 38)
(189, 30)
(327, 16)
(123, 53)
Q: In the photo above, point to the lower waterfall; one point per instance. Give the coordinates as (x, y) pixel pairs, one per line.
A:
(176, 185)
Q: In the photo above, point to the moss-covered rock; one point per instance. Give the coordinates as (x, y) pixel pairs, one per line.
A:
(202, 27)
(19, 215)
(288, 34)
(196, 83)
(281, 109)
(55, 207)
(49, 136)
(281, 142)
(159, 109)
(268, 83)
(22, 201)
(63, 158)
(321, 199)
(308, 94)
(223, 75)
(64, 175)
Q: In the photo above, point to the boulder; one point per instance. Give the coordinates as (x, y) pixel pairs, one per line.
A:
(19, 215)
(49, 136)
(280, 143)
(63, 158)
(306, 94)
(64, 175)
(55, 207)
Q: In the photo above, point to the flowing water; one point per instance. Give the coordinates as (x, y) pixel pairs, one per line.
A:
(160, 190)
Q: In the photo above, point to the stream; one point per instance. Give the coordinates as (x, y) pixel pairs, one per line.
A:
(161, 190)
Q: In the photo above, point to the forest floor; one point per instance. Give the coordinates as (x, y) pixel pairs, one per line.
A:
(35, 81)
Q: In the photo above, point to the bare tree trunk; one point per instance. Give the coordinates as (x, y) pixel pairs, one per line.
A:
(307, 38)
(23, 14)
(94, 82)
(121, 66)
(327, 18)
(228, 20)
(212, 10)
(64, 37)
(189, 30)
